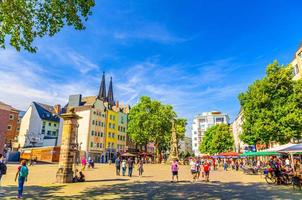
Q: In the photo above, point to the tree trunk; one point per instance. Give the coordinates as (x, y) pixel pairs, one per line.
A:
(158, 155)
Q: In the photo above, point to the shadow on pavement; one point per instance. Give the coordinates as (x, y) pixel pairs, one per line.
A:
(167, 190)
(108, 180)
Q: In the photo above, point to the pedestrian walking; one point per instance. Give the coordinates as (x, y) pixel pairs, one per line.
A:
(198, 166)
(130, 166)
(117, 166)
(174, 169)
(140, 168)
(124, 167)
(206, 170)
(21, 175)
(225, 166)
(193, 170)
(84, 163)
(3, 169)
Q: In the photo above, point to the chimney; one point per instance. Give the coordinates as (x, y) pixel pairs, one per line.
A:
(57, 109)
(117, 104)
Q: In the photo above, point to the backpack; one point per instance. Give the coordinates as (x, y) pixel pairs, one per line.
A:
(3, 168)
(23, 172)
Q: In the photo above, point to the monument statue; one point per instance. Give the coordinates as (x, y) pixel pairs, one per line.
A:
(68, 148)
(174, 144)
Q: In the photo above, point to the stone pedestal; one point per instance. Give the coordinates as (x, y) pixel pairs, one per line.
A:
(68, 147)
(174, 145)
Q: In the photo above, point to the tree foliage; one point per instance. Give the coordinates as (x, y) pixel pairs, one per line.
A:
(151, 121)
(21, 21)
(217, 139)
(272, 107)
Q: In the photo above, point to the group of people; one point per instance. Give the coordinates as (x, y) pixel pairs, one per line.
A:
(84, 163)
(198, 167)
(129, 163)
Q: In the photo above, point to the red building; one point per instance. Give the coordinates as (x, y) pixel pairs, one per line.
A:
(8, 125)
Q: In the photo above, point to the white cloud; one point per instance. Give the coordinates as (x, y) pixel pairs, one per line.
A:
(23, 81)
(81, 63)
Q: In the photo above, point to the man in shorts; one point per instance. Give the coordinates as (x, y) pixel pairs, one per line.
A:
(193, 170)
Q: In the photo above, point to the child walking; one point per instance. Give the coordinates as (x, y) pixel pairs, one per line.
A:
(174, 168)
(21, 175)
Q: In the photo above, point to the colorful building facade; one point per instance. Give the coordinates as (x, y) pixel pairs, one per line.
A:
(102, 126)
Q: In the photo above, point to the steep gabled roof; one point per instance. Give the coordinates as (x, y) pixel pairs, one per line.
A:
(46, 112)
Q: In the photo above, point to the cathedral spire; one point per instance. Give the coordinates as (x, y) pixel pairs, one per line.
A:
(110, 97)
(102, 91)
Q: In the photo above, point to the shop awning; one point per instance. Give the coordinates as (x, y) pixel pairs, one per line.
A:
(296, 148)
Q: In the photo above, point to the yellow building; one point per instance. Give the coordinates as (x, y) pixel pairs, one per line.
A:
(297, 64)
(111, 133)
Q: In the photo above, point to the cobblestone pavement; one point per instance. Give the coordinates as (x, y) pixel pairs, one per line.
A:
(102, 183)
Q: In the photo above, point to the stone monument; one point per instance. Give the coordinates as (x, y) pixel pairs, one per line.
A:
(174, 144)
(68, 147)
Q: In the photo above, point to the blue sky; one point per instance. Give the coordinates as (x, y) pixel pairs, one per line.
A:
(196, 55)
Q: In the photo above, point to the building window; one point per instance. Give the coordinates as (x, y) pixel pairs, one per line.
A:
(49, 124)
(97, 145)
(92, 133)
(92, 122)
(195, 145)
(91, 144)
(55, 125)
(101, 145)
(109, 135)
(48, 132)
(54, 133)
(113, 126)
(9, 127)
(94, 112)
(99, 123)
(43, 131)
(11, 116)
(219, 120)
(112, 135)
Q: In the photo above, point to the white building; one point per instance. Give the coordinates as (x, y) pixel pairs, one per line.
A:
(202, 122)
(237, 130)
(40, 126)
(297, 64)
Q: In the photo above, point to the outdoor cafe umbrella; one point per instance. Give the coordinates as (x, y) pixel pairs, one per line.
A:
(128, 155)
(296, 148)
(259, 153)
(293, 149)
(229, 154)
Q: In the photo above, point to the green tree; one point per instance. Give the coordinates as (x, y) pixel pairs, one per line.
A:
(151, 121)
(21, 21)
(272, 107)
(217, 139)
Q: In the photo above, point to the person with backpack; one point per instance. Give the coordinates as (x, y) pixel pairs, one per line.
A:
(21, 174)
(3, 169)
